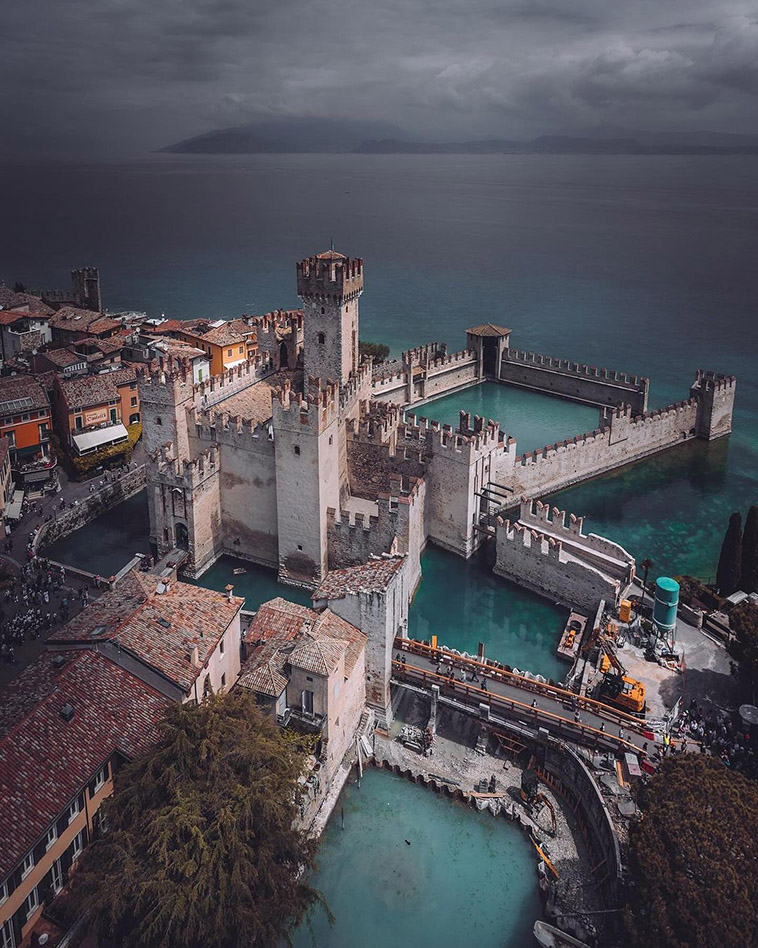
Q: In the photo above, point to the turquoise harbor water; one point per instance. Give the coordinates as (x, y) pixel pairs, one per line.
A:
(640, 264)
(466, 878)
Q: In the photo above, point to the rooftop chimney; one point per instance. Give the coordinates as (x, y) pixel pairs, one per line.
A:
(229, 590)
(195, 656)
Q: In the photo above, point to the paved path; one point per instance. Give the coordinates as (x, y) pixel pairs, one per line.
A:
(522, 699)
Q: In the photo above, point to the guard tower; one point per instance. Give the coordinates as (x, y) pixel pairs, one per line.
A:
(329, 285)
(86, 286)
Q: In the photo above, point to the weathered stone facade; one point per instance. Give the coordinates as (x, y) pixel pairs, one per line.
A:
(305, 460)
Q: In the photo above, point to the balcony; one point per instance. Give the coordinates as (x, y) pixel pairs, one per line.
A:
(307, 721)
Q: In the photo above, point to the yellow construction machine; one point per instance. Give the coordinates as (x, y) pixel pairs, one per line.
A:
(617, 688)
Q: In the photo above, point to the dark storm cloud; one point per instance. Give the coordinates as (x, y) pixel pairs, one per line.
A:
(136, 74)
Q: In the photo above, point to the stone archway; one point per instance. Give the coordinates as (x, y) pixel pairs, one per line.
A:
(182, 536)
(284, 359)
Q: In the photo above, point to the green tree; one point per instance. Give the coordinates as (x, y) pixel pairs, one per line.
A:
(693, 857)
(743, 621)
(19, 287)
(201, 847)
(376, 349)
(728, 572)
(749, 562)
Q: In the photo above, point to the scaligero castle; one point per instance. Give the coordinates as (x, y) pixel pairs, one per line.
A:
(306, 459)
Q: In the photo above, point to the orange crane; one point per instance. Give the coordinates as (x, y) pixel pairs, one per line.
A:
(616, 687)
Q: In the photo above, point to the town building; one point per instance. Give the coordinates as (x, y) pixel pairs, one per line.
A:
(25, 420)
(67, 723)
(71, 324)
(92, 412)
(182, 640)
(23, 330)
(307, 670)
(225, 346)
(64, 362)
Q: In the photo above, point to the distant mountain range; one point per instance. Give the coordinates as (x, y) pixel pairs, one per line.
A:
(287, 136)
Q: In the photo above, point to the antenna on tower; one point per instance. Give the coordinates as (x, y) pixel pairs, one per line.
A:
(331, 243)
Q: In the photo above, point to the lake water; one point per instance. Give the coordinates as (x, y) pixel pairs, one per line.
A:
(644, 264)
(466, 879)
(641, 263)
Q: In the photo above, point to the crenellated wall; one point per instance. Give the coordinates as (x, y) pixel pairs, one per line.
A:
(572, 380)
(399, 527)
(423, 373)
(554, 558)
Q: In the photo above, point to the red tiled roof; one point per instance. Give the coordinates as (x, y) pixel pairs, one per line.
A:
(158, 628)
(22, 387)
(10, 316)
(45, 761)
(63, 357)
(373, 576)
(224, 335)
(488, 329)
(11, 300)
(96, 389)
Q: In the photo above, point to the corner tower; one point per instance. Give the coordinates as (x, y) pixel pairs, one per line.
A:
(329, 285)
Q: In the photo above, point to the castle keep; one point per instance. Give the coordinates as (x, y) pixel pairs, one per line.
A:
(306, 459)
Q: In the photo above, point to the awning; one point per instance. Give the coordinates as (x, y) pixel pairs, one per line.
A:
(90, 440)
(13, 510)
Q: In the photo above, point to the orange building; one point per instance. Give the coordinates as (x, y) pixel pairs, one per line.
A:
(93, 411)
(67, 723)
(224, 345)
(25, 420)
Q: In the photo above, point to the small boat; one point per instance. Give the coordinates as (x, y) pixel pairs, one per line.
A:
(551, 937)
(239, 570)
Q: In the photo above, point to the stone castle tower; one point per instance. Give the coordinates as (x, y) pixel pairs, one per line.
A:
(329, 285)
(85, 283)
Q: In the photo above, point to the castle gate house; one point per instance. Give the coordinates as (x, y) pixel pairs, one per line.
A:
(307, 460)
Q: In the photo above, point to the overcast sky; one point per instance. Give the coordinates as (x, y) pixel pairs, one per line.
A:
(133, 75)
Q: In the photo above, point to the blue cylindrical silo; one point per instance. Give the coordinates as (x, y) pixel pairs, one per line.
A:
(666, 601)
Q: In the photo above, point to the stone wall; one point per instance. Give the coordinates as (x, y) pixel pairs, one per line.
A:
(625, 438)
(581, 383)
(92, 506)
(425, 373)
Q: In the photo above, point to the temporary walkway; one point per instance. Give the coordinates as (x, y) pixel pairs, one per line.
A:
(531, 703)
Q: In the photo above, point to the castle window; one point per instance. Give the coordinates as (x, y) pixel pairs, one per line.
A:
(322, 310)
(299, 546)
(331, 439)
(321, 338)
(297, 449)
(159, 421)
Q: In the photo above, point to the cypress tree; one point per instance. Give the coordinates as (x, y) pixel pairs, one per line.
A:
(728, 572)
(749, 563)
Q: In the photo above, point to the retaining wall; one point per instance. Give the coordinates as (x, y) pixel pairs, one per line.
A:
(76, 516)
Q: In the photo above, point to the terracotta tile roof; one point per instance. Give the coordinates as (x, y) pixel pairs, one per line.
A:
(158, 628)
(79, 320)
(96, 389)
(106, 346)
(278, 617)
(224, 335)
(265, 679)
(45, 761)
(63, 357)
(285, 633)
(21, 388)
(10, 316)
(11, 300)
(243, 327)
(373, 576)
(106, 324)
(331, 255)
(488, 329)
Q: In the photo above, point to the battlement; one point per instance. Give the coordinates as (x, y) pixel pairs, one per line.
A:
(422, 355)
(168, 383)
(279, 320)
(331, 276)
(317, 408)
(705, 380)
(220, 427)
(514, 532)
(186, 473)
(358, 384)
(624, 379)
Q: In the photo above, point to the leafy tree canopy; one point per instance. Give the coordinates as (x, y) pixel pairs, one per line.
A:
(201, 847)
(693, 858)
(376, 349)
